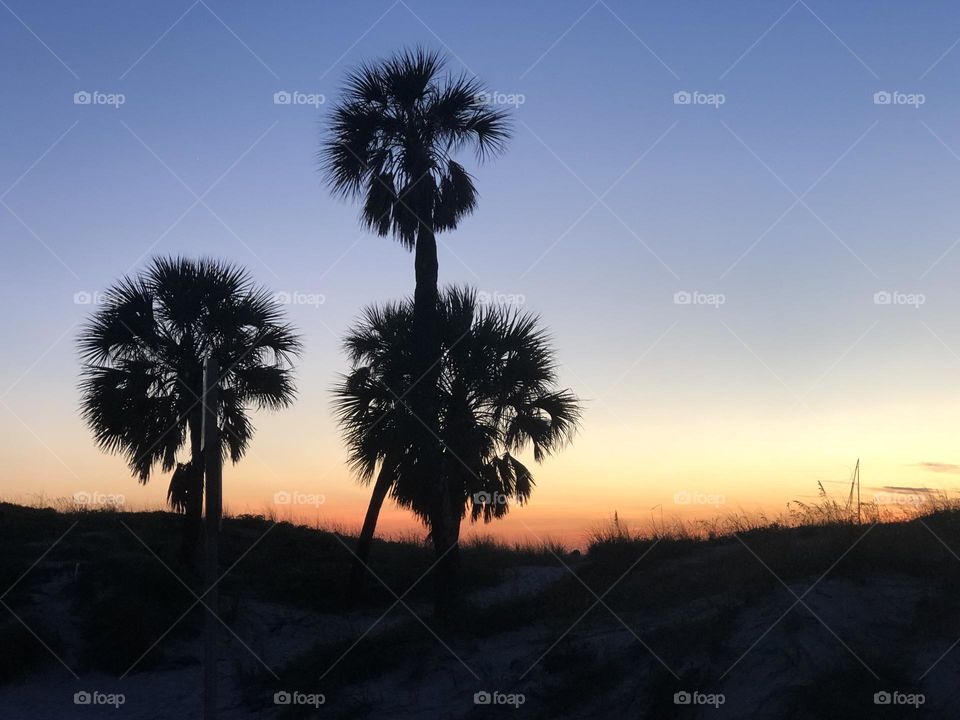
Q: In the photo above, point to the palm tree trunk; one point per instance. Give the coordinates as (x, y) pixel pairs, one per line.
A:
(193, 517)
(449, 566)
(425, 405)
(380, 489)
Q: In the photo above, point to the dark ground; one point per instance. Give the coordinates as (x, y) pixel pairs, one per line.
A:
(776, 622)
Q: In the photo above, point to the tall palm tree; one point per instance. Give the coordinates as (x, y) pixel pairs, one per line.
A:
(142, 357)
(497, 396)
(392, 143)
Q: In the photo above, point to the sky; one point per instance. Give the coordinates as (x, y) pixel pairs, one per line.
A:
(739, 222)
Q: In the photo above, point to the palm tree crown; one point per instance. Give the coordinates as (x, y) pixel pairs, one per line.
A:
(143, 353)
(498, 396)
(393, 138)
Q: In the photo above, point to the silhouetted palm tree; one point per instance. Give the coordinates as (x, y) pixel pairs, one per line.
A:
(142, 374)
(497, 396)
(392, 143)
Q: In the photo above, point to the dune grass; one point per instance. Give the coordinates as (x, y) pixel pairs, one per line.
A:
(823, 512)
(110, 565)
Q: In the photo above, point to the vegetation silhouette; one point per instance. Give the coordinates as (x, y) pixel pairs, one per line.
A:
(142, 358)
(391, 143)
(497, 396)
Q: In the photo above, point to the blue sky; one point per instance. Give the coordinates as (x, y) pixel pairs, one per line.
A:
(795, 201)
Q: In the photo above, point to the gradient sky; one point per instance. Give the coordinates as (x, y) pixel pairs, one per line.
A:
(796, 200)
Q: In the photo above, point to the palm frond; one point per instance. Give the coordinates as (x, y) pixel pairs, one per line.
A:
(142, 356)
(390, 141)
(498, 396)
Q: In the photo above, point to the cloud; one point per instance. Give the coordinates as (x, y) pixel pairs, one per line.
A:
(939, 467)
(901, 489)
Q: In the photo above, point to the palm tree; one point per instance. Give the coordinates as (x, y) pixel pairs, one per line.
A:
(392, 144)
(142, 358)
(497, 396)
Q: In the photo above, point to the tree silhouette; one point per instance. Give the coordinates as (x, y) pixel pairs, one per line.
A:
(391, 143)
(142, 357)
(497, 396)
